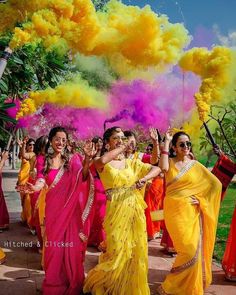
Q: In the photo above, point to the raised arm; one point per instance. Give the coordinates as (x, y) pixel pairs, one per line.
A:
(89, 153)
(164, 161)
(156, 150)
(99, 163)
(3, 160)
(23, 154)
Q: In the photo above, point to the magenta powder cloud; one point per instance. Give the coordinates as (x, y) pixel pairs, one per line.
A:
(166, 99)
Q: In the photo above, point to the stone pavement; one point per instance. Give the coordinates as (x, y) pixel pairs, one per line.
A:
(22, 273)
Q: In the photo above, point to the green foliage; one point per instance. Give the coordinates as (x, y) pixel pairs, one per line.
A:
(100, 4)
(226, 120)
(225, 217)
(31, 68)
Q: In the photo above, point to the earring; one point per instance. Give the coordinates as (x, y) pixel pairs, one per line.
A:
(50, 150)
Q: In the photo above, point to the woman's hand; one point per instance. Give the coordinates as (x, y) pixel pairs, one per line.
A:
(89, 150)
(153, 134)
(169, 134)
(194, 200)
(140, 183)
(27, 188)
(5, 155)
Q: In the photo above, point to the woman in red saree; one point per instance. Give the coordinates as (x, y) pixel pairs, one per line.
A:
(4, 216)
(69, 199)
(229, 259)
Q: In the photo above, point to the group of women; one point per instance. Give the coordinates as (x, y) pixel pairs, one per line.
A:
(104, 197)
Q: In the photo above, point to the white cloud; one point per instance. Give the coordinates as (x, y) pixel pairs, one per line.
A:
(225, 40)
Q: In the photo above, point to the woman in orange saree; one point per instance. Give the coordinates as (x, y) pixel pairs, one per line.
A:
(154, 199)
(191, 209)
(229, 259)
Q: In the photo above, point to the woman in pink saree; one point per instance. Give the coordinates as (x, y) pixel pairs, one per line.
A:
(97, 234)
(4, 216)
(69, 199)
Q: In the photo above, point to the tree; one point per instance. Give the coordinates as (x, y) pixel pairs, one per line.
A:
(225, 132)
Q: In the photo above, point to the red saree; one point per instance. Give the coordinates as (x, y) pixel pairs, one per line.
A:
(68, 203)
(229, 259)
(154, 198)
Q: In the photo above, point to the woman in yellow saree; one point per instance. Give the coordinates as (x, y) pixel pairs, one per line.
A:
(122, 269)
(27, 157)
(191, 209)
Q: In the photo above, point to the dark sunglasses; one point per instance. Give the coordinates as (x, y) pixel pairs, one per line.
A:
(185, 144)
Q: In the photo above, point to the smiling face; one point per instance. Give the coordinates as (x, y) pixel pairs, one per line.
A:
(116, 139)
(30, 147)
(183, 146)
(132, 145)
(59, 142)
(99, 144)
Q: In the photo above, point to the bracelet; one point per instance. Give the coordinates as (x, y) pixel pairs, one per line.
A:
(165, 153)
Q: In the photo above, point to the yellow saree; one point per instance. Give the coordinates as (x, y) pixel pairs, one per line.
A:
(191, 227)
(2, 256)
(23, 177)
(122, 269)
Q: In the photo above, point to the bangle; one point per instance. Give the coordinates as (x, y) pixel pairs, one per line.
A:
(165, 153)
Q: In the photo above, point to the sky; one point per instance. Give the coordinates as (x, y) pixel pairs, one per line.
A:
(210, 16)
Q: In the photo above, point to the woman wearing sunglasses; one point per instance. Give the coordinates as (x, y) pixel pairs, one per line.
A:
(191, 209)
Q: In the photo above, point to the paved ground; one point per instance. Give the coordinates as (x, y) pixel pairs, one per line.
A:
(22, 274)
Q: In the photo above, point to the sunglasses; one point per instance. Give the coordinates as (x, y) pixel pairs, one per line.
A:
(31, 144)
(187, 144)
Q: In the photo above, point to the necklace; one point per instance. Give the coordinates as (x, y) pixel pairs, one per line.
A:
(119, 158)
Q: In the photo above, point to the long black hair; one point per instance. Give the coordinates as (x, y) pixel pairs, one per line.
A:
(40, 144)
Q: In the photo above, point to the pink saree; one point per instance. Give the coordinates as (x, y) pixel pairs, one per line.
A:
(97, 233)
(4, 216)
(68, 205)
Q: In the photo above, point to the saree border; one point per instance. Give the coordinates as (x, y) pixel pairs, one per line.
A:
(58, 177)
(89, 201)
(183, 170)
(192, 261)
(188, 264)
(201, 220)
